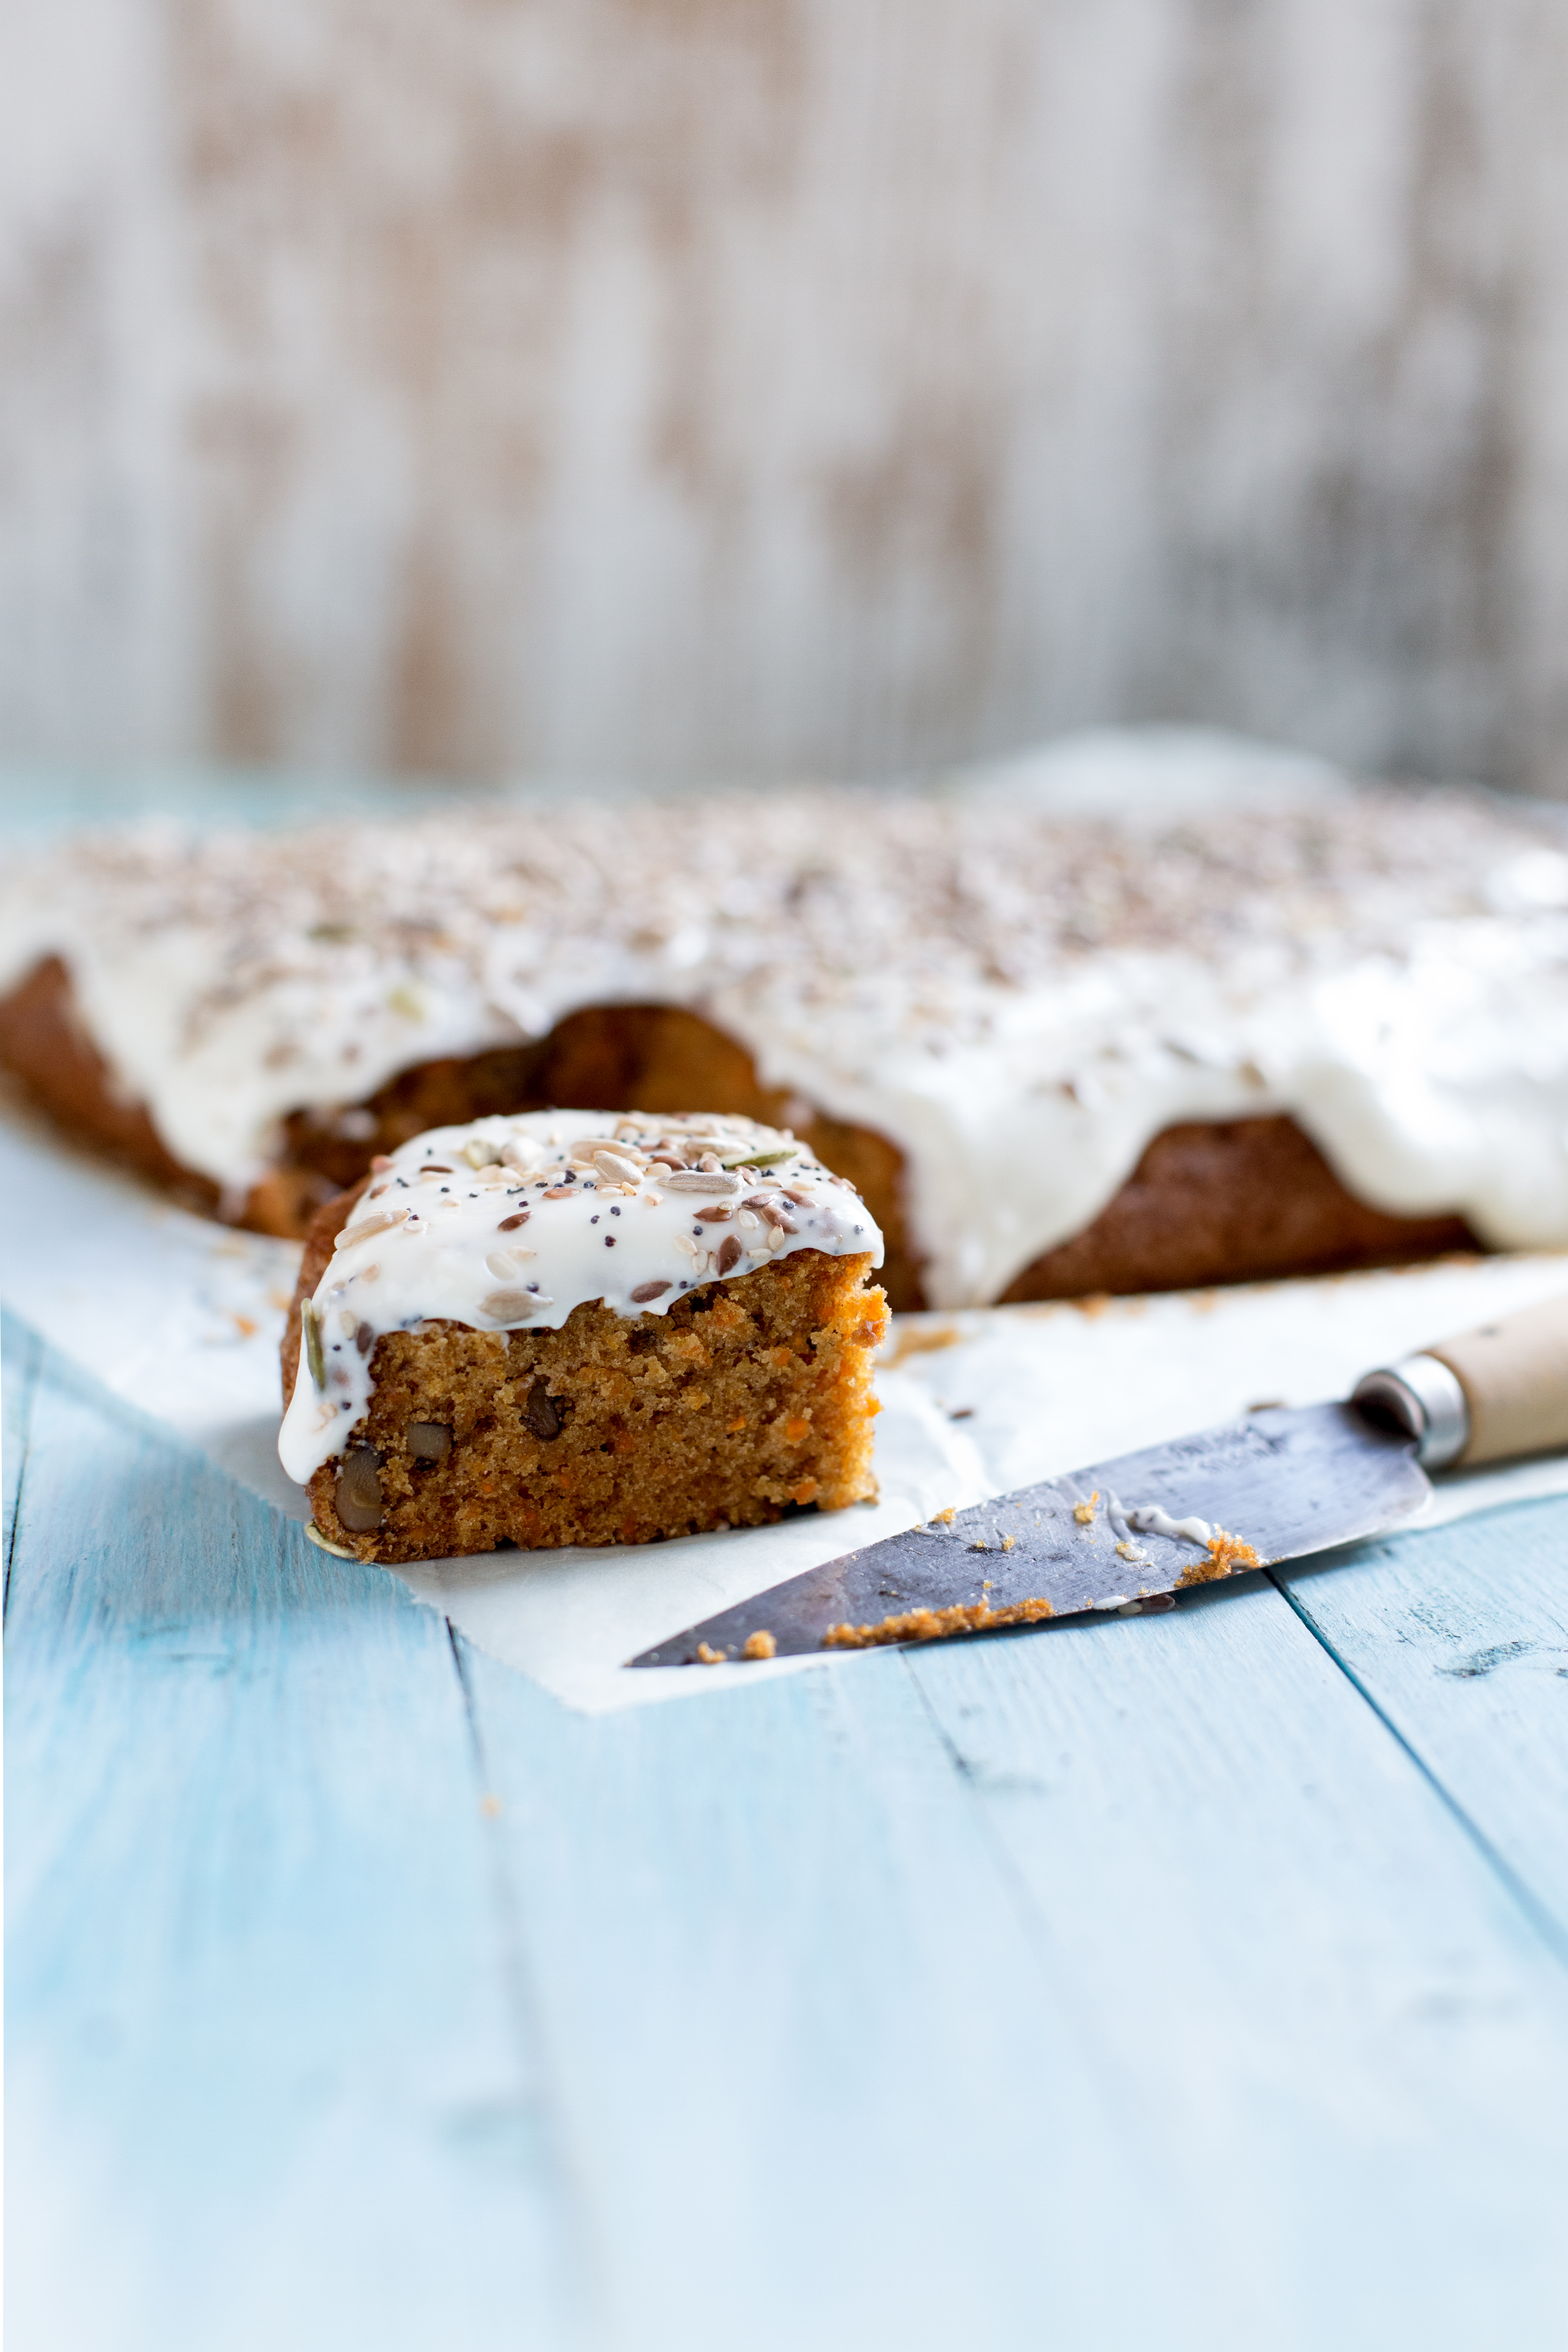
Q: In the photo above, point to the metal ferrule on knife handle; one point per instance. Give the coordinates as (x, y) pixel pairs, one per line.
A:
(1422, 1397)
(1491, 1393)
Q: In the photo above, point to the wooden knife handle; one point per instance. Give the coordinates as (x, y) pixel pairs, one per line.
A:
(1514, 1374)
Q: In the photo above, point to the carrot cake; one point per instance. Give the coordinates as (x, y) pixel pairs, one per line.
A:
(1307, 1027)
(582, 1328)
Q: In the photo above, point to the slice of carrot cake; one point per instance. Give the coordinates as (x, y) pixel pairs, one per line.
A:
(582, 1328)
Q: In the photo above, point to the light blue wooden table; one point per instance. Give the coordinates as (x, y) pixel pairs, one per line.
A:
(1198, 1980)
(1190, 1982)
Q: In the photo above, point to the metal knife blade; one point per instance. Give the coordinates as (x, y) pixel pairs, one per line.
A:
(1283, 1483)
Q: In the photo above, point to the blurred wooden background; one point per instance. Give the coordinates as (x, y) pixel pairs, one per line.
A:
(738, 387)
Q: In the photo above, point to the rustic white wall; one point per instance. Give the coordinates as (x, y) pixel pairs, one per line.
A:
(658, 385)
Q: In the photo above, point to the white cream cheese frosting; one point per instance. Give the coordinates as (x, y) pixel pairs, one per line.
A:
(1018, 994)
(511, 1222)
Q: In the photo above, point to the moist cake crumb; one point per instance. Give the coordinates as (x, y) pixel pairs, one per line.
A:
(1227, 1555)
(580, 1401)
(936, 1624)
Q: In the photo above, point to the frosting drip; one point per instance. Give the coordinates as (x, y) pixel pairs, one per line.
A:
(1018, 995)
(510, 1224)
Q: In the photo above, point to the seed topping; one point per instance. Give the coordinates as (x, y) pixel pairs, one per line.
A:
(700, 1180)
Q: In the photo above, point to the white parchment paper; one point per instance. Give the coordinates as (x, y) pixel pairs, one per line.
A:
(181, 1319)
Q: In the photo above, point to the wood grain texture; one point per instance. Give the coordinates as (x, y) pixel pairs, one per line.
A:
(1460, 1638)
(19, 1355)
(270, 2058)
(673, 386)
(1313, 1995)
(1138, 1963)
(1129, 1983)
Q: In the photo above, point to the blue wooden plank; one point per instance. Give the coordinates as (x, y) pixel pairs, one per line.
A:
(816, 2070)
(1460, 1637)
(1121, 1985)
(272, 2075)
(19, 1353)
(1319, 1993)
(1126, 1984)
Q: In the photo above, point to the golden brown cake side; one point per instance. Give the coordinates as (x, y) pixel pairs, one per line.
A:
(45, 1045)
(1235, 1200)
(1249, 1200)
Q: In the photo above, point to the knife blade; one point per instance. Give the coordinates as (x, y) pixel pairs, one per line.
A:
(1127, 1534)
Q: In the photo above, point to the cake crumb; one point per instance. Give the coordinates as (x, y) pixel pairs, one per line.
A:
(935, 1624)
(761, 1644)
(1226, 1556)
(1084, 1512)
(706, 1657)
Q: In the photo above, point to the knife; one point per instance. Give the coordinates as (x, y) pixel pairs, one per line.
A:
(1128, 1534)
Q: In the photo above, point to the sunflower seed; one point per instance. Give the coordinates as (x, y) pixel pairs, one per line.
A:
(512, 1306)
(504, 1263)
(619, 1171)
(700, 1180)
(379, 1221)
